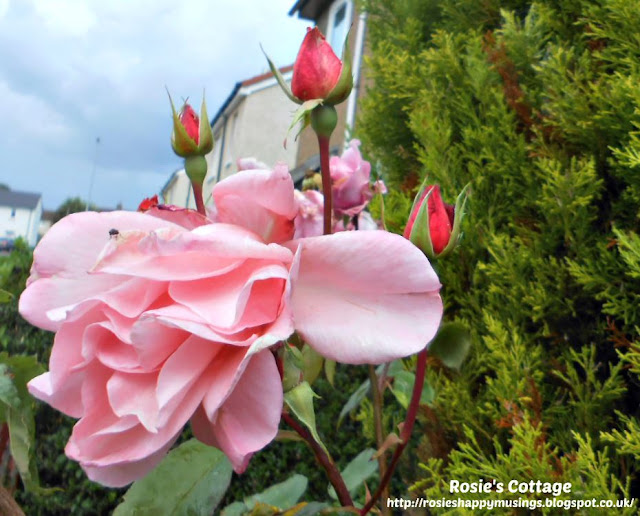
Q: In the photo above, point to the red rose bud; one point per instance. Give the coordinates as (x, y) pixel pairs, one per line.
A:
(190, 122)
(317, 68)
(318, 74)
(148, 203)
(434, 226)
(192, 135)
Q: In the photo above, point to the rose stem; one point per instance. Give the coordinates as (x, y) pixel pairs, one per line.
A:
(323, 144)
(197, 194)
(324, 459)
(405, 434)
(376, 396)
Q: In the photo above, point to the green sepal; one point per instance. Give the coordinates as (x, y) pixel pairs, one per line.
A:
(330, 371)
(458, 211)
(292, 365)
(421, 232)
(205, 144)
(281, 82)
(303, 113)
(183, 145)
(300, 401)
(343, 87)
(312, 364)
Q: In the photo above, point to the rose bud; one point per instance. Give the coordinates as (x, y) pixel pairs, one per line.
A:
(434, 226)
(318, 74)
(192, 135)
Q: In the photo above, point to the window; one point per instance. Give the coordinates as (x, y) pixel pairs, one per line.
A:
(339, 21)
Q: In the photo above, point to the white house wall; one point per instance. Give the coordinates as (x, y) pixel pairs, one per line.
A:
(21, 222)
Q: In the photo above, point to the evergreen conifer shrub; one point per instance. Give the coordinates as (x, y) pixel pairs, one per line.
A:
(537, 105)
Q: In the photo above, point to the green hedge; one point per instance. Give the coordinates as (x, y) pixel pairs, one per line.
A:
(537, 105)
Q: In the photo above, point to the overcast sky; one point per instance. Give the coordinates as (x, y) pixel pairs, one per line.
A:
(74, 70)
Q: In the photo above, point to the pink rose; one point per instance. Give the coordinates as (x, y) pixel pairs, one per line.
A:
(365, 223)
(249, 164)
(350, 181)
(164, 318)
(308, 221)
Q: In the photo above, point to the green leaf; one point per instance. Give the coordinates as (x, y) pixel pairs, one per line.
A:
(8, 393)
(357, 471)
(17, 405)
(5, 296)
(403, 389)
(300, 401)
(283, 495)
(310, 509)
(191, 480)
(451, 345)
(330, 371)
(234, 509)
(354, 400)
(361, 392)
(22, 441)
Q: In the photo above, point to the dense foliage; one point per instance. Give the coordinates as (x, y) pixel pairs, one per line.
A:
(537, 105)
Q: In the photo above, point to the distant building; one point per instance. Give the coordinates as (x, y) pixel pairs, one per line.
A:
(177, 190)
(20, 214)
(252, 122)
(333, 18)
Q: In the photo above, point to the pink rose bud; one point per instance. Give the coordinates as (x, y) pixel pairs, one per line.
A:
(192, 134)
(190, 122)
(317, 68)
(430, 227)
(318, 73)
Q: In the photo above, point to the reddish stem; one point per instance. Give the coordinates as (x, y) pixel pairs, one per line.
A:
(407, 428)
(197, 194)
(325, 461)
(323, 144)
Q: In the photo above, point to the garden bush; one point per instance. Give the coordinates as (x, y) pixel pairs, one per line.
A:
(537, 106)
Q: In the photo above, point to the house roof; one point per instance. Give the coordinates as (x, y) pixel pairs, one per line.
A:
(15, 199)
(264, 76)
(309, 9)
(247, 82)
